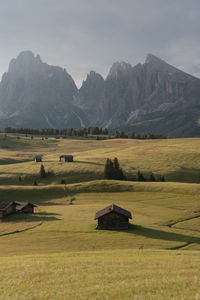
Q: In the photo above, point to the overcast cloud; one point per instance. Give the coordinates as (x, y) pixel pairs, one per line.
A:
(84, 35)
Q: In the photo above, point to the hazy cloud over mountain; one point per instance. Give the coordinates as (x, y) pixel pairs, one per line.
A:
(81, 35)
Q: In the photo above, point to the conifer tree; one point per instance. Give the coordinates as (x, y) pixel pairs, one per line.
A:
(116, 171)
(152, 177)
(106, 169)
(140, 176)
(42, 171)
(112, 170)
(163, 178)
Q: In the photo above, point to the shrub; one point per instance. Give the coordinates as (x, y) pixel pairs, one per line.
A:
(72, 200)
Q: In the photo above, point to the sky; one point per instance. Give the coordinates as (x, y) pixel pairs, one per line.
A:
(85, 35)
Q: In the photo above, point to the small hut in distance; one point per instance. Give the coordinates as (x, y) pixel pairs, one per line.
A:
(12, 207)
(113, 217)
(67, 158)
(7, 208)
(25, 207)
(38, 158)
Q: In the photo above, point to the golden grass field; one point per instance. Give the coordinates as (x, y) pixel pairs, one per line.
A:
(58, 254)
(176, 159)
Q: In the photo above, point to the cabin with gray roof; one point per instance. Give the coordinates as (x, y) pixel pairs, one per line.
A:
(67, 158)
(25, 207)
(7, 208)
(113, 217)
(38, 158)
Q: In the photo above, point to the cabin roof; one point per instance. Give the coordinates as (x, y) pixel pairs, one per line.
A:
(21, 205)
(5, 204)
(66, 155)
(112, 208)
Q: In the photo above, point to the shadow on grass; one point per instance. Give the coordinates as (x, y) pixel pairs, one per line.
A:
(12, 161)
(37, 217)
(36, 195)
(15, 173)
(183, 174)
(161, 235)
(88, 163)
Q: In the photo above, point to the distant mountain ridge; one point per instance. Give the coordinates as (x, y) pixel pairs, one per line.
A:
(153, 96)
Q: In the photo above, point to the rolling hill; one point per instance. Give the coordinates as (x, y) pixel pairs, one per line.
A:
(58, 246)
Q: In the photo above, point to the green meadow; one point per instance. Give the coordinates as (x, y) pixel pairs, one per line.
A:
(57, 253)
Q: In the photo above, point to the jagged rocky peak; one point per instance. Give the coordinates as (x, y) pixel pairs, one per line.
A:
(35, 94)
(152, 59)
(93, 81)
(119, 68)
(93, 76)
(153, 63)
(24, 61)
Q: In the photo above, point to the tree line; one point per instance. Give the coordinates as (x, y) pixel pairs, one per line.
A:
(131, 135)
(60, 132)
(83, 132)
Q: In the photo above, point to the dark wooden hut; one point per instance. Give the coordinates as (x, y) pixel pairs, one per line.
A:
(113, 217)
(66, 158)
(38, 158)
(25, 207)
(7, 208)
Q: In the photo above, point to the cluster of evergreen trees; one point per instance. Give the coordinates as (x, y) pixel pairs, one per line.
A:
(131, 135)
(59, 132)
(152, 177)
(112, 170)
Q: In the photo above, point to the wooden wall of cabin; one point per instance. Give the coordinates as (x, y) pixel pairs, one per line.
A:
(113, 220)
(11, 209)
(28, 209)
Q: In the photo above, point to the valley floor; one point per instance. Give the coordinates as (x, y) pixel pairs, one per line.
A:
(57, 253)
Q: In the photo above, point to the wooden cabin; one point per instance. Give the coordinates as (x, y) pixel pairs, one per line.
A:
(25, 207)
(66, 158)
(38, 158)
(7, 208)
(113, 217)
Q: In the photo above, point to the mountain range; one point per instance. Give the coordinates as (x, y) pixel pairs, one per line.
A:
(150, 97)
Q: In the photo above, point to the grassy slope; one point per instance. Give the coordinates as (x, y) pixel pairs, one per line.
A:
(60, 255)
(71, 260)
(130, 274)
(162, 216)
(177, 159)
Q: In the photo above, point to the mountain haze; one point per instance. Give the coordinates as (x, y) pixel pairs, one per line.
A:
(153, 96)
(34, 94)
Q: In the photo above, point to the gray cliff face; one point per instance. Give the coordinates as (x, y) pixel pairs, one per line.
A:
(90, 97)
(144, 92)
(152, 97)
(35, 94)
